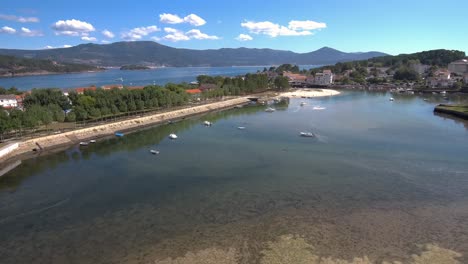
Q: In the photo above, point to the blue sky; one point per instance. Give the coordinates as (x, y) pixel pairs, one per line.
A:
(393, 26)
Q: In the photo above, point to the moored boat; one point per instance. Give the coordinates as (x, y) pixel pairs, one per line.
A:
(307, 134)
(269, 110)
(172, 136)
(82, 143)
(154, 152)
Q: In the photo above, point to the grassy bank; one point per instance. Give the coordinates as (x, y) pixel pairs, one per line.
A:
(455, 110)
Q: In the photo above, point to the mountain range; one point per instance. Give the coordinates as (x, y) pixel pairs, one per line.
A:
(154, 54)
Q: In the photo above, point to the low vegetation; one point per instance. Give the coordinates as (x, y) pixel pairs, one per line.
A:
(11, 66)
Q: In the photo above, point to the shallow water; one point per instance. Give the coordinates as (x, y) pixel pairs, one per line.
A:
(380, 180)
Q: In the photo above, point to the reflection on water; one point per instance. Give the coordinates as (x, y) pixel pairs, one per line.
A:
(381, 185)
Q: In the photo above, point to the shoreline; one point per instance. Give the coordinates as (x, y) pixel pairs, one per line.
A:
(57, 142)
(63, 140)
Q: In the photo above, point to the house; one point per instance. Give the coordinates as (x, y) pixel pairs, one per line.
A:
(112, 86)
(420, 68)
(207, 87)
(193, 91)
(294, 77)
(324, 78)
(441, 79)
(81, 90)
(8, 101)
(459, 66)
(465, 78)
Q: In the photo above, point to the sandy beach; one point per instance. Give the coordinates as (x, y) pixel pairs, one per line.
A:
(310, 93)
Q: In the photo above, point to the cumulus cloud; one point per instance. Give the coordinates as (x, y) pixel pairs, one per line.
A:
(72, 27)
(170, 19)
(295, 28)
(196, 34)
(86, 38)
(191, 19)
(105, 41)
(156, 38)
(244, 37)
(52, 47)
(139, 33)
(177, 35)
(30, 33)
(7, 30)
(108, 34)
(19, 18)
(194, 20)
(306, 25)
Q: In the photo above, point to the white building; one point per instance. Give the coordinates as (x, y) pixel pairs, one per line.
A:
(459, 66)
(8, 101)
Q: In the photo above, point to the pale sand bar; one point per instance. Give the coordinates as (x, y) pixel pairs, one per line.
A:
(310, 93)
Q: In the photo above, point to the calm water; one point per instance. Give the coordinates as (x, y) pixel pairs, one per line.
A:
(159, 76)
(381, 179)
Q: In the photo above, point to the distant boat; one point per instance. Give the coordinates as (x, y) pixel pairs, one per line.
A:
(303, 103)
(318, 108)
(270, 110)
(241, 128)
(307, 134)
(119, 79)
(443, 92)
(207, 123)
(391, 99)
(172, 136)
(82, 143)
(154, 152)
(92, 141)
(119, 134)
(425, 99)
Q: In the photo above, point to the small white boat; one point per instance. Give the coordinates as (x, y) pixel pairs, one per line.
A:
(303, 103)
(207, 123)
(172, 136)
(307, 134)
(92, 141)
(154, 152)
(82, 143)
(318, 108)
(443, 92)
(270, 110)
(391, 99)
(241, 128)
(425, 99)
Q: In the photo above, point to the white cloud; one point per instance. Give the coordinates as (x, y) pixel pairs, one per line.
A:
(244, 37)
(108, 34)
(170, 30)
(196, 34)
(105, 41)
(72, 27)
(191, 19)
(52, 47)
(170, 19)
(86, 38)
(295, 28)
(19, 19)
(177, 35)
(156, 38)
(194, 20)
(139, 33)
(30, 33)
(306, 25)
(7, 30)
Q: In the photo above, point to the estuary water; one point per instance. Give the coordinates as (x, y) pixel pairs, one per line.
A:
(158, 76)
(380, 181)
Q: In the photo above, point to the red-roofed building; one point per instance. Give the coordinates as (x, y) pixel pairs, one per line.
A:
(112, 86)
(135, 87)
(207, 86)
(193, 91)
(81, 90)
(8, 101)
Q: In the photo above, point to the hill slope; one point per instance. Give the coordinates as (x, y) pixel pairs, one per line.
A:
(11, 66)
(152, 53)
